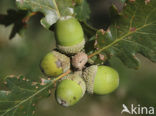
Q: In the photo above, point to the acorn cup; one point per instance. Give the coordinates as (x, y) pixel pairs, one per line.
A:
(69, 35)
(101, 79)
(70, 90)
(79, 60)
(54, 64)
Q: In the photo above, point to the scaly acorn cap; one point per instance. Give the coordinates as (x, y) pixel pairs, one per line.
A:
(70, 90)
(79, 60)
(55, 63)
(71, 49)
(101, 79)
(89, 75)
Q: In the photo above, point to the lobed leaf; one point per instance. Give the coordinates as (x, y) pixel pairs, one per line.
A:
(47, 7)
(133, 32)
(82, 11)
(21, 95)
(52, 9)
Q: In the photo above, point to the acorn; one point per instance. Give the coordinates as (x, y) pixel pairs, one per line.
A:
(70, 90)
(69, 35)
(101, 79)
(54, 64)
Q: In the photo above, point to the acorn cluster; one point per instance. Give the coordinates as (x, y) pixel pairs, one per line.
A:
(70, 55)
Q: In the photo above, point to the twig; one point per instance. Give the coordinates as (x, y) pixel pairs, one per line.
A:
(61, 76)
(26, 19)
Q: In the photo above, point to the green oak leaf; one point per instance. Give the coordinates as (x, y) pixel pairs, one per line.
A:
(20, 95)
(133, 32)
(82, 11)
(52, 9)
(88, 30)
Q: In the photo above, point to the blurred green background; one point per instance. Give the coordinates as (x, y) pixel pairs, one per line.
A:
(22, 55)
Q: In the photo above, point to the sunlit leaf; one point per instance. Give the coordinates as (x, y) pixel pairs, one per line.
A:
(52, 9)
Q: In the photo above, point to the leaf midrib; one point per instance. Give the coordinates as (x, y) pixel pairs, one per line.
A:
(121, 38)
(27, 99)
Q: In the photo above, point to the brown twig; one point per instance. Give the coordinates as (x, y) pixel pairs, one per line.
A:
(26, 19)
(61, 76)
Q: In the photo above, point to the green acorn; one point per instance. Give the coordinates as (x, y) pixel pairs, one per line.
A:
(54, 64)
(69, 35)
(101, 79)
(70, 90)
